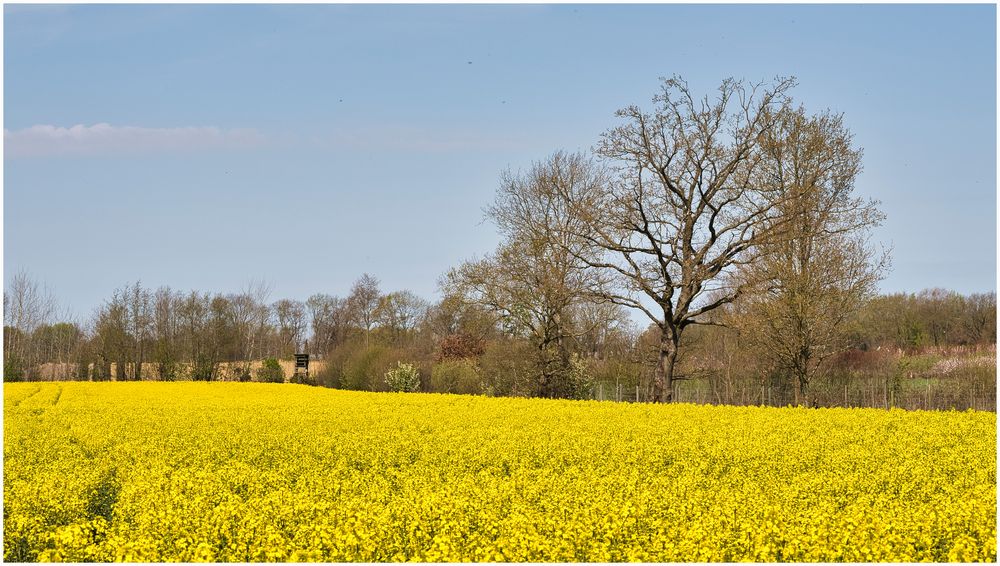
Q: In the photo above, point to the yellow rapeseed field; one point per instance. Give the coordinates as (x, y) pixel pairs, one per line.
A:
(254, 472)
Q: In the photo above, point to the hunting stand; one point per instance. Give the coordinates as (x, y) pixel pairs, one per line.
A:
(301, 366)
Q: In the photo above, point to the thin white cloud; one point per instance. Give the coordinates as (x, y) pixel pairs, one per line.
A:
(105, 139)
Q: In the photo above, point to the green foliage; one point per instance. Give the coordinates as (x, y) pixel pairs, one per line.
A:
(403, 377)
(364, 368)
(270, 372)
(456, 376)
(13, 369)
(303, 379)
(507, 368)
(242, 373)
(168, 370)
(909, 366)
(353, 366)
(203, 369)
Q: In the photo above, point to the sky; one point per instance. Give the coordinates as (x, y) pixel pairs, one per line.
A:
(205, 146)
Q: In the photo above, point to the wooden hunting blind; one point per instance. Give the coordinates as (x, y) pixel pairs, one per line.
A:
(302, 364)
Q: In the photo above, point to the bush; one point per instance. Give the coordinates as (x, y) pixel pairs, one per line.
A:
(13, 369)
(167, 370)
(203, 369)
(458, 347)
(581, 382)
(403, 377)
(364, 369)
(330, 375)
(456, 376)
(351, 365)
(507, 368)
(303, 379)
(270, 372)
(242, 373)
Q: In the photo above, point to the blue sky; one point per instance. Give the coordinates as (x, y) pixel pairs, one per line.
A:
(203, 146)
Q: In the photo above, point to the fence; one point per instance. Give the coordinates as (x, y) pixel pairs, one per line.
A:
(972, 389)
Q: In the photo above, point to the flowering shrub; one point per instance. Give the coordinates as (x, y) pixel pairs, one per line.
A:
(403, 378)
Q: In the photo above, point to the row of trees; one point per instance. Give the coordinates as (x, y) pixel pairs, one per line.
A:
(142, 333)
(456, 345)
(735, 211)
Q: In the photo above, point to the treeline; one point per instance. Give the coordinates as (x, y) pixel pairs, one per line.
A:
(455, 345)
(729, 222)
(163, 334)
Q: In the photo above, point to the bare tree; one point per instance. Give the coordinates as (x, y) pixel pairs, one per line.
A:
(399, 312)
(329, 319)
(536, 277)
(455, 327)
(115, 343)
(27, 304)
(979, 324)
(363, 302)
(140, 321)
(683, 206)
(517, 286)
(250, 317)
(290, 317)
(165, 332)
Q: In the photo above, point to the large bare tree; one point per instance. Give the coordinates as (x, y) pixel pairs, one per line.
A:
(683, 205)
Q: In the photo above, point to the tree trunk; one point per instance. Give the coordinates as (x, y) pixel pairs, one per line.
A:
(663, 377)
(138, 365)
(545, 383)
(801, 378)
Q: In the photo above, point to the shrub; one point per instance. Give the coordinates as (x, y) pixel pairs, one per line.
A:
(459, 346)
(351, 365)
(507, 368)
(270, 372)
(403, 377)
(456, 376)
(13, 369)
(364, 368)
(167, 370)
(303, 379)
(581, 382)
(330, 375)
(203, 369)
(242, 373)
